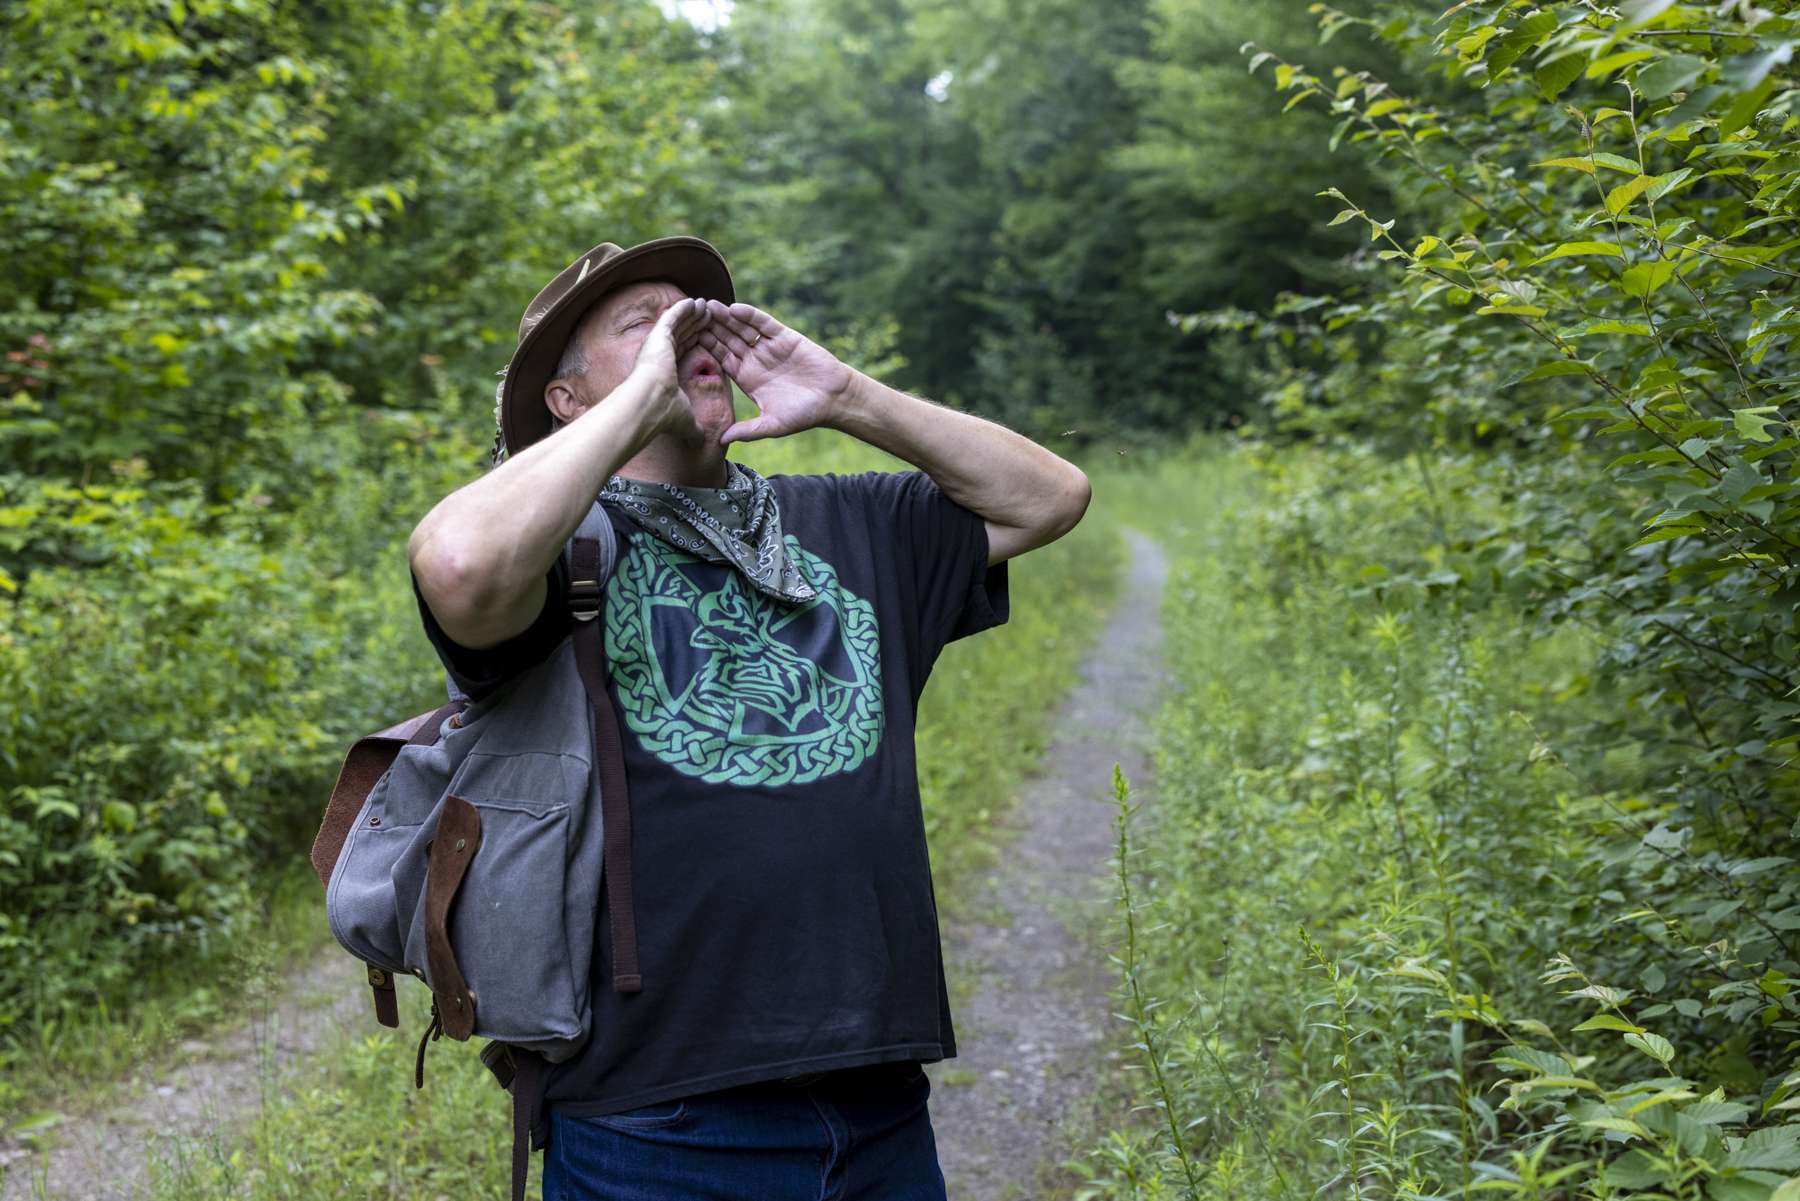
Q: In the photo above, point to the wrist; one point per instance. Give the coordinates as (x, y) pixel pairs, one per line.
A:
(848, 408)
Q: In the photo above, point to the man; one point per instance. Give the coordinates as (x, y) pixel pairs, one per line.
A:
(767, 643)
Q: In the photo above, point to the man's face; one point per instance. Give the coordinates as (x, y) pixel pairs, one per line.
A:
(614, 330)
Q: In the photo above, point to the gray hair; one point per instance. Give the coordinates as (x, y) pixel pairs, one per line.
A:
(574, 361)
(573, 365)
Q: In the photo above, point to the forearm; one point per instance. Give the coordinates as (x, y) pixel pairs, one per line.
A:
(482, 553)
(1002, 476)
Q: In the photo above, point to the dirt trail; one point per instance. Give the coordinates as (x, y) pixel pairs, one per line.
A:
(1034, 1035)
(1032, 1032)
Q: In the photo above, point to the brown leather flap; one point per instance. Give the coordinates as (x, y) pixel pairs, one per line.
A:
(372, 755)
(458, 838)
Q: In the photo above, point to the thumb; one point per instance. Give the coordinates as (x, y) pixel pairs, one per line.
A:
(751, 430)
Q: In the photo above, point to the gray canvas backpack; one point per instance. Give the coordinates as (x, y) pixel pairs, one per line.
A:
(468, 846)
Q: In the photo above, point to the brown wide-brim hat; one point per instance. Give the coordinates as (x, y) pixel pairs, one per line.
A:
(690, 264)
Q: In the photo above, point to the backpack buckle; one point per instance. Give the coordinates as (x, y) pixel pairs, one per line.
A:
(584, 599)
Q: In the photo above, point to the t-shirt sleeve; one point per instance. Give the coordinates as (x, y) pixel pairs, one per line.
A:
(943, 547)
(480, 672)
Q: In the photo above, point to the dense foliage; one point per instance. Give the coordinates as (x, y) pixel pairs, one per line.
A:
(1471, 858)
(263, 261)
(1019, 193)
(1513, 738)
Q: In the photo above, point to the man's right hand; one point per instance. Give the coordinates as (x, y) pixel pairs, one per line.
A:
(668, 408)
(482, 554)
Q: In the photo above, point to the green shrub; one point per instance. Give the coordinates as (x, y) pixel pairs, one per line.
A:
(1402, 931)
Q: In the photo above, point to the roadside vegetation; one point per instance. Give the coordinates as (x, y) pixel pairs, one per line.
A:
(1470, 867)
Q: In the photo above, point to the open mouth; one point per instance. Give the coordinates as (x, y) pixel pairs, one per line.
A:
(703, 367)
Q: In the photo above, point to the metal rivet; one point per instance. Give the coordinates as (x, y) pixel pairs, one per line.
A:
(461, 843)
(374, 821)
(459, 1002)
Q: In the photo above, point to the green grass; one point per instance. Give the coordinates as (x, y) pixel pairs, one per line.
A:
(1363, 853)
(351, 1124)
(78, 1064)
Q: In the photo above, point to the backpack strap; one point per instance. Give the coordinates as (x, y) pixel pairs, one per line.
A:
(595, 554)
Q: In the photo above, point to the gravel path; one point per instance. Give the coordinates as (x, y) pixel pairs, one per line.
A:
(1033, 1036)
(1032, 1028)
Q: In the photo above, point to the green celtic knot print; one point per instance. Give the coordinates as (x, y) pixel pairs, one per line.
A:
(722, 683)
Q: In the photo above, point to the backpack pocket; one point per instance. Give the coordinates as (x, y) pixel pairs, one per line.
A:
(507, 926)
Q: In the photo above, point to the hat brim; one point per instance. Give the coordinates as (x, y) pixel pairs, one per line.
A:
(690, 264)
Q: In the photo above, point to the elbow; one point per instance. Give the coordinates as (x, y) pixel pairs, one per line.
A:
(1073, 498)
(453, 578)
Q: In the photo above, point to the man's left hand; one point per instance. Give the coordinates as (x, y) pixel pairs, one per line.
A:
(794, 382)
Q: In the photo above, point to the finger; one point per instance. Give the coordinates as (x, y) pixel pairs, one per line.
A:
(725, 318)
(756, 319)
(708, 340)
(689, 325)
(750, 431)
(691, 315)
(733, 341)
(669, 318)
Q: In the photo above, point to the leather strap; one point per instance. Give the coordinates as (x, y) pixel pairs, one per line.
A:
(530, 1075)
(585, 600)
(387, 1006)
(446, 862)
(372, 755)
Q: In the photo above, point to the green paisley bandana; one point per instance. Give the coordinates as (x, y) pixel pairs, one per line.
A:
(737, 524)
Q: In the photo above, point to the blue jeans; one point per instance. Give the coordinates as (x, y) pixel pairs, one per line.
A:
(856, 1134)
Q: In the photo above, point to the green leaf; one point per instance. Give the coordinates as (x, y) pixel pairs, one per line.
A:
(1617, 162)
(1574, 164)
(1513, 310)
(1752, 425)
(1607, 326)
(1653, 1045)
(1645, 278)
(1662, 185)
(1771, 1149)
(1672, 74)
(1668, 532)
(1620, 198)
(1640, 12)
(1744, 108)
(1607, 1021)
(1600, 68)
(1737, 480)
(1635, 1170)
(1555, 76)
(1523, 36)
(1573, 249)
(1621, 1125)
(1743, 72)
(1553, 368)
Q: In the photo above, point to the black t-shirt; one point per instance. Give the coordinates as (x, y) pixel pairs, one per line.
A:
(786, 919)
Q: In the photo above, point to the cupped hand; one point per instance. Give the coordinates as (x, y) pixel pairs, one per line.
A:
(658, 361)
(793, 381)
